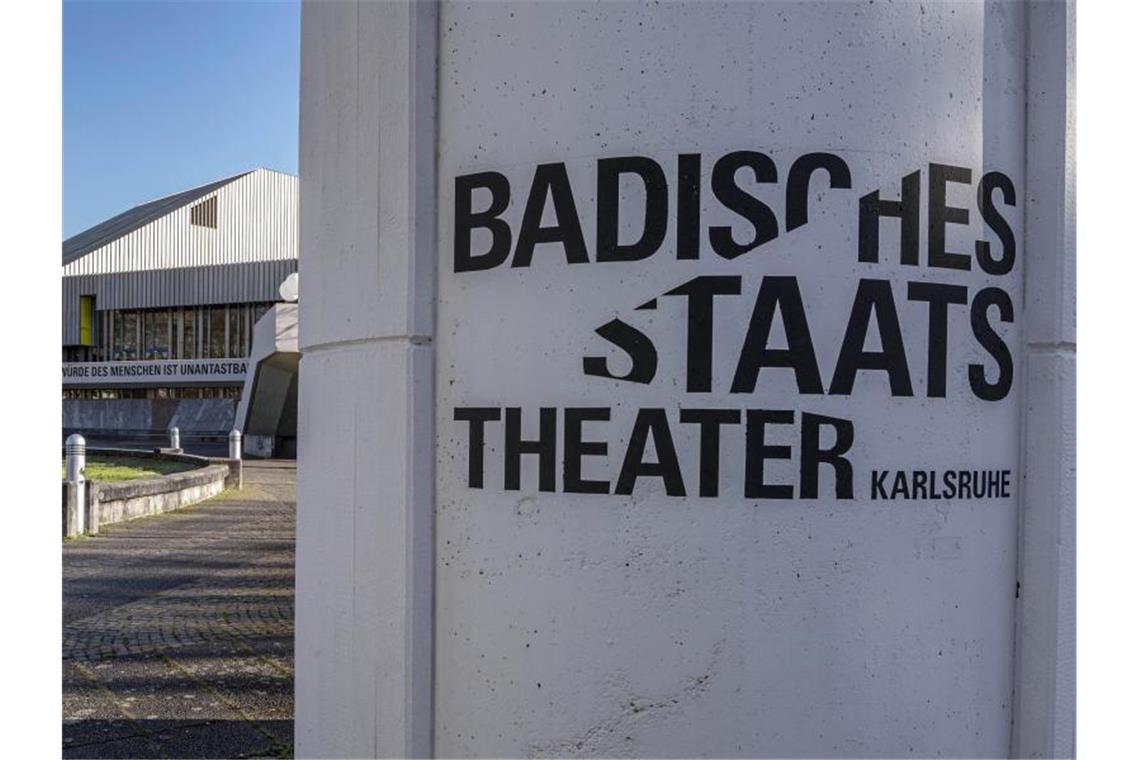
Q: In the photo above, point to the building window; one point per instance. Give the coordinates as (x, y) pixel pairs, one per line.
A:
(205, 214)
(236, 334)
(156, 334)
(189, 333)
(214, 337)
(126, 343)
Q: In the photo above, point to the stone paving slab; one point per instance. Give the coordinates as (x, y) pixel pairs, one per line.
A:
(178, 629)
(189, 739)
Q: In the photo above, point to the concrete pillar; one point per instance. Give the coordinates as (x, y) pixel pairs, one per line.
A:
(175, 439)
(365, 416)
(692, 418)
(1045, 679)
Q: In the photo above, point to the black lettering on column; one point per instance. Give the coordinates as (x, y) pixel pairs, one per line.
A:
(783, 293)
(550, 179)
(939, 297)
(995, 221)
(574, 448)
(651, 422)
(476, 416)
(689, 206)
(799, 180)
(992, 343)
(872, 210)
(812, 455)
(756, 452)
(743, 203)
(993, 484)
(636, 345)
(655, 219)
(878, 477)
(710, 421)
(544, 448)
(940, 215)
(467, 221)
(700, 292)
(918, 484)
(872, 297)
(949, 485)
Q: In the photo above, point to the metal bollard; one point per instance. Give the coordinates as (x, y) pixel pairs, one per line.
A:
(76, 449)
(235, 444)
(175, 438)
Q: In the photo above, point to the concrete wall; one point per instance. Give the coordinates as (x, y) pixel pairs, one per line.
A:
(267, 412)
(578, 612)
(102, 416)
(112, 502)
(364, 461)
(128, 500)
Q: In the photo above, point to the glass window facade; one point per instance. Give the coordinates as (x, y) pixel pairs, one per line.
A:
(126, 338)
(237, 344)
(156, 334)
(190, 332)
(214, 334)
(188, 327)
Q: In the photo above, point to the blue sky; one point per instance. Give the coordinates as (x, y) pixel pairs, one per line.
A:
(162, 96)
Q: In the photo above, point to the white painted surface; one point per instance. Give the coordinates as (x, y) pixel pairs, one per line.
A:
(656, 625)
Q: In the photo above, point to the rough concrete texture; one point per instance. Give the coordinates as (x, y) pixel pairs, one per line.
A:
(211, 415)
(71, 495)
(364, 558)
(650, 622)
(128, 500)
(178, 630)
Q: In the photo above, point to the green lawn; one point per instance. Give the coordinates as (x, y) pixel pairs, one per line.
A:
(129, 468)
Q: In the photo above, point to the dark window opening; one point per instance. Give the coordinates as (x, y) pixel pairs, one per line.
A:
(205, 214)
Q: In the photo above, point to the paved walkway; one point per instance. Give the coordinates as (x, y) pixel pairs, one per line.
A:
(178, 629)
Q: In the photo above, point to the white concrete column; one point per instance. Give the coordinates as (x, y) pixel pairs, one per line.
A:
(553, 501)
(367, 237)
(1045, 682)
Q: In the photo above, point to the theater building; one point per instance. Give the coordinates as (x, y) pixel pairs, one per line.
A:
(160, 305)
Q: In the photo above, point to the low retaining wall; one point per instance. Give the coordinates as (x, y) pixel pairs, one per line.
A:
(112, 502)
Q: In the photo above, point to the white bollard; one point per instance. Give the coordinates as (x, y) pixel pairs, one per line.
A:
(175, 438)
(235, 444)
(76, 450)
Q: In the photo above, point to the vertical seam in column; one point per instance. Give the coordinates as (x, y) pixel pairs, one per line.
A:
(1023, 390)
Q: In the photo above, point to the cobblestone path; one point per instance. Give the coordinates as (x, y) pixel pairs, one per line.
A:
(178, 629)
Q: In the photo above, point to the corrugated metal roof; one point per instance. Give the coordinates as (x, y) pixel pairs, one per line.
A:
(127, 222)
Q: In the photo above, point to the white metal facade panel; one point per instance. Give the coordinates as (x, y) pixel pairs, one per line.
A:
(170, 262)
(257, 221)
